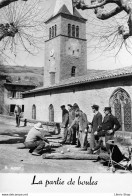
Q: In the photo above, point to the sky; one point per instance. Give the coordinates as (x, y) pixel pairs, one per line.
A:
(97, 59)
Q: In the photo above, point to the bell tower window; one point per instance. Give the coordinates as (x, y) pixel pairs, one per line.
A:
(77, 31)
(49, 33)
(69, 30)
(55, 30)
(73, 30)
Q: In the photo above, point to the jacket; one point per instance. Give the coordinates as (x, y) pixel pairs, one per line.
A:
(65, 118)
(110, 122)
(81, 119)
(96, 122)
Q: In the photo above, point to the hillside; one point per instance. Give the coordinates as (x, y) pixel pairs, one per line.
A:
(23, 73)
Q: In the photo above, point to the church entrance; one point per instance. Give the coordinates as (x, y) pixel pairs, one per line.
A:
(120, 103)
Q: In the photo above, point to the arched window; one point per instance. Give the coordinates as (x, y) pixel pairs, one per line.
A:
(73, 71)
(55, 30)
(51, 113)
(73, 30)
(34, 112)
(49, 33)
(69, 30)
(120, 102)
(77, 31)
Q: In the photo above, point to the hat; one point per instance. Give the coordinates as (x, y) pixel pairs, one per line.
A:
(69, 105)
(38, 126)
(107, 109)
(63, 106)
(96, 107)
(75, 106)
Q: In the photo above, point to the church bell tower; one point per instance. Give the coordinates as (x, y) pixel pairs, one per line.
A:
(66, 44)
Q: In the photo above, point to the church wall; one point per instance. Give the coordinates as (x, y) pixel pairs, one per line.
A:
(84, 95)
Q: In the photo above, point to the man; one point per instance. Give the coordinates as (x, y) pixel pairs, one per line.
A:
(110, 124)
(64, 124)
(74, 129)
(96, 123)
(17, 112)
(36, 141)
(81, 120)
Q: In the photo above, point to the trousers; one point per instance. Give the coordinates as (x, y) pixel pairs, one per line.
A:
(37, 146)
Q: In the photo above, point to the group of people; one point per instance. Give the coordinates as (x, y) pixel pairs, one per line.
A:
(75, 128)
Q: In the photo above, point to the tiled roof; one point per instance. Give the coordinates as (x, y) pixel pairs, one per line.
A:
(64, 10)
(92, 76)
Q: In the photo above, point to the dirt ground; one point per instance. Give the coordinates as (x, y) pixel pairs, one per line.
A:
(13, 159)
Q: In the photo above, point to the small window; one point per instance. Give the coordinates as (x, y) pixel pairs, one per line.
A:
(73, 71)
(73, 30)
(55, 30)
(77, 31)
(22, 108)
(69, 30)
(34, 112)
(50, 33)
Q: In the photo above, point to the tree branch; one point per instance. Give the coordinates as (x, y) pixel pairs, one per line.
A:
(100, 14)
(81, 5)
(4, 3)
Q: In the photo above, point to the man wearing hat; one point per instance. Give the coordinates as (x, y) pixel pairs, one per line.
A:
(36, 141)
(96, 123)
(64, 124)
(110, 124)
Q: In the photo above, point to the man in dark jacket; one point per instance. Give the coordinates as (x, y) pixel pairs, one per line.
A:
(64, 124)
(96, 123)
(110, 124)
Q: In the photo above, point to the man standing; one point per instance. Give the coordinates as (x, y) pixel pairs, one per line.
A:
(110, 124)
(36, 141)
(96, 123)
(17, 113)
(72, 131)
(81, 120)
(64, 124)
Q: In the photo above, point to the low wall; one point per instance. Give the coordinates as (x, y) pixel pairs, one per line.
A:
(51, 127)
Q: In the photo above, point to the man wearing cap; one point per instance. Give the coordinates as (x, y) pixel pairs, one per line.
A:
(96, 123)
(64, 124)
(36, 141)
(110, 124)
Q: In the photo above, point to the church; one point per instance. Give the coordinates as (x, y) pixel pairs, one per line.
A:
(67, 79)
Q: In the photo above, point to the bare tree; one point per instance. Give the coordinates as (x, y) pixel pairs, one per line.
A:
(22, 27)
(102, 14)
(117, 31)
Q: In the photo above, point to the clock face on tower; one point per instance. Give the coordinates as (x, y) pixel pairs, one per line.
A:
(73, 48)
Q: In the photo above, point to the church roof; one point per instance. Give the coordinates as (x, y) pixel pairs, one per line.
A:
(91, 76)
(64, 10)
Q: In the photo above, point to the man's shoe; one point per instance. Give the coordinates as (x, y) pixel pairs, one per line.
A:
(36, 154)
(77, 146)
